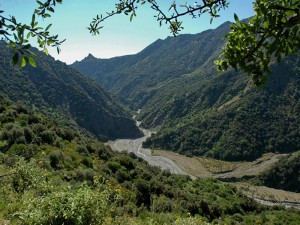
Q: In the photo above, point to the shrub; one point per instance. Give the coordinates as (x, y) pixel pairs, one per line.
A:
(82, 150)
(55, 158)
(66, 206)
(28, 134)
(113, 166)
(47, 136)
(20, 150)
(2, 108)
(33, 119)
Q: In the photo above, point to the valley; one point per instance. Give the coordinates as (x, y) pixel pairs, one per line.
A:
(209, 124)
(150, 138)
(211, 168)
(135, 146)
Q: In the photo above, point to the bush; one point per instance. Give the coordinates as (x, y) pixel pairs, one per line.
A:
(82, 150)
(20, 150)
(66, 206)
(55, 158)
(113, 166)
(28, 134)
(2, 108)
(47, 136)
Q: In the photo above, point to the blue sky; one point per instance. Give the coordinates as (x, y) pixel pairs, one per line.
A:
(119, 36)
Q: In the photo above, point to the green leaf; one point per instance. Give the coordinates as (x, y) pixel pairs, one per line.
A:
(31, 61)
(48, 27)
(33, 20)
(15, 58)
(23, 62)
(51, 9)
(26, 46)
(236, 18)
(46, 51)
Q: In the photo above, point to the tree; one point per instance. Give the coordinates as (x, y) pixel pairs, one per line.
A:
(272, 33)
(17, 34)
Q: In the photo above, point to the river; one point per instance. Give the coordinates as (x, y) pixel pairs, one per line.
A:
(135, 146)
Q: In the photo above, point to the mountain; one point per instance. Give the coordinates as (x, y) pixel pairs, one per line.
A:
(53, 175)
(198, 110)
(227, 118)
(67, 95)
(137, 77)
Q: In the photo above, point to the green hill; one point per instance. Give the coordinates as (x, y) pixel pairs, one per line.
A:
(66, 178)
(198, 110)
(227, 118)
(285, 174)
(137, 77)
(63, 93)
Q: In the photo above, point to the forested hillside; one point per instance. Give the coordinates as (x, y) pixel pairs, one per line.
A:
(284, 175)
(137, 77)
(230, 119)
(63, 93)
(67, 178)
(200, 111)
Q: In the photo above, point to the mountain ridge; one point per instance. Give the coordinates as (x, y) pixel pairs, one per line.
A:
(203, 112)
(77, 98)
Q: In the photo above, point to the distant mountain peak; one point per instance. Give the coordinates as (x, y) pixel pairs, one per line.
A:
(90, 56)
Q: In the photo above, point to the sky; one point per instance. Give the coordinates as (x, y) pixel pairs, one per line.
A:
(119, 36)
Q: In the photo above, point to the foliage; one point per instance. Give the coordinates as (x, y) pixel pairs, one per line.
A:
(67, 96)
(272, 33)
(58, 184)
(197, 111)
(17, 34)
(211, 7)
(67, 206)
(285, 174)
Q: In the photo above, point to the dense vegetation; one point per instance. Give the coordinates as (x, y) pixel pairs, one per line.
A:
(241, 123)
(199, 111)
(284, 175)
(71, 179)
(137, 77)
(66, 95)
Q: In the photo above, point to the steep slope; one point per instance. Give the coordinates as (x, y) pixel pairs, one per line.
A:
(228, 118)
(200, 111)
(70, 179)
(61, 91)
(285, 174)
(137, 77)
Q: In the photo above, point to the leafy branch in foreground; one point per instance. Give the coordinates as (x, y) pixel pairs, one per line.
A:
(17, 34)
(272, 33)
(252, 45)
(129, 7)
